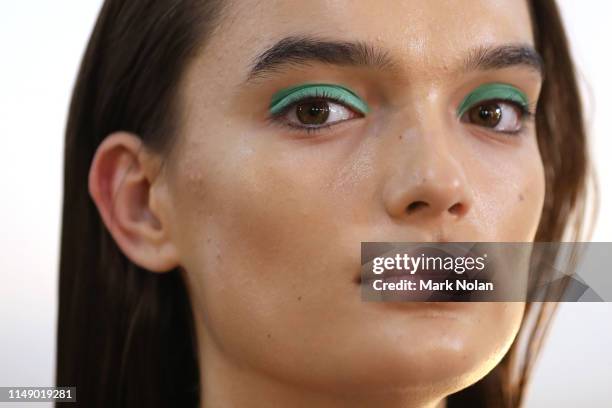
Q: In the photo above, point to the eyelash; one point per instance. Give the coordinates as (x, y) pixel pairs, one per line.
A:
(317, 95)
(527, 113)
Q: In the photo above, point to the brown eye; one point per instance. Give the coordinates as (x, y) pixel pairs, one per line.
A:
(488, 115)
(499, 116)
(312, 115)
(312, 112)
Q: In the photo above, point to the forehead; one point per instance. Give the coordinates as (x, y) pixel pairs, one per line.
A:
(417, 32)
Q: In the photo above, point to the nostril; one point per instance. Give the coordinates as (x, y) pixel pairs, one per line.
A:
(415, 206)
(456, 209)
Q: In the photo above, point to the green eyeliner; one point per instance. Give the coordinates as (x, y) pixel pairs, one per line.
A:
(490, 92)
(286, 97)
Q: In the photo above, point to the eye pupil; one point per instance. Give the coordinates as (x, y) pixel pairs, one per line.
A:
(313, 112)
(488, 115)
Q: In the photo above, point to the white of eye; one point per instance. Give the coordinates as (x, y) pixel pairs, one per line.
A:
(510, 118)
(337, 113)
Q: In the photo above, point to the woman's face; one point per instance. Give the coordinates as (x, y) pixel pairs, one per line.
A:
(268, 217)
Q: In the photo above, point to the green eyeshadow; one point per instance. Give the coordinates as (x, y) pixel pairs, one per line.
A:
(493, 91)
(285, 97)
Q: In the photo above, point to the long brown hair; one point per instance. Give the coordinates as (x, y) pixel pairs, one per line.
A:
(125, 335)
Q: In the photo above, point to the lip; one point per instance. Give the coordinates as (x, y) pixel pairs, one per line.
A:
(425, 249)
(366, 276)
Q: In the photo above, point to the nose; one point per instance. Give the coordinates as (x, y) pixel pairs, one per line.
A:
(428, 182)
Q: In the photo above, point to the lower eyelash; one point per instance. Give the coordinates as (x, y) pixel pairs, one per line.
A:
(307, 129)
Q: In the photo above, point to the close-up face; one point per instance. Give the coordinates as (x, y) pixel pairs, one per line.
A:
(388, 121)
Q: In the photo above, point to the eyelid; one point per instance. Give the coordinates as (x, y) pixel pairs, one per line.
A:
(499, 91)
(286, 97)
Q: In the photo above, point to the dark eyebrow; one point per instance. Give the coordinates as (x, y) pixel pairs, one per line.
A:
(488, 58)
(303, 50)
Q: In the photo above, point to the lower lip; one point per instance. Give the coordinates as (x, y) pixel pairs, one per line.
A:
(416, 295)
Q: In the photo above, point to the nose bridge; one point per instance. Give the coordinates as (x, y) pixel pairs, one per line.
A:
(428, 177)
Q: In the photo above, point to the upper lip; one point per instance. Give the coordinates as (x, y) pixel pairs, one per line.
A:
(433, 249)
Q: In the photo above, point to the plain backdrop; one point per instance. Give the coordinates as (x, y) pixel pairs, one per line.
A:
(41, 43)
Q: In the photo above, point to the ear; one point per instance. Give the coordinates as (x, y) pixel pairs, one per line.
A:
(126, 187)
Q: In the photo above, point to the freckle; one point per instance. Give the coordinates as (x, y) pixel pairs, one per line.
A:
(269, 335)
(299, 298)
(521, 197)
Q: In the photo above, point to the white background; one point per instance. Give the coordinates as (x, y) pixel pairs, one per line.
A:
(41, 43)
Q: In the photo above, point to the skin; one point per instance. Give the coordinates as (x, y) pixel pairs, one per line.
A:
(266, 222)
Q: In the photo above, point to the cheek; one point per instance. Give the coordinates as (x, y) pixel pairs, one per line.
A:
(254, 231)
(252, 227)
(267, 207)
(509, 193)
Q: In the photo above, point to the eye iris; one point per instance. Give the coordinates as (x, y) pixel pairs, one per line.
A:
(313, 112)
(486, 115)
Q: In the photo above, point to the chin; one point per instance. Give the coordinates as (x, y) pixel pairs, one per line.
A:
(438, 346)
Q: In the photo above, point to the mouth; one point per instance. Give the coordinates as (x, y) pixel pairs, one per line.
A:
(423, 271)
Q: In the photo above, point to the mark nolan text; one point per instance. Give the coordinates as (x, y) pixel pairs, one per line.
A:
(429, 284)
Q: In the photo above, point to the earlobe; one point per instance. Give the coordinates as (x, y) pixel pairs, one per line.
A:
(121, 186)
